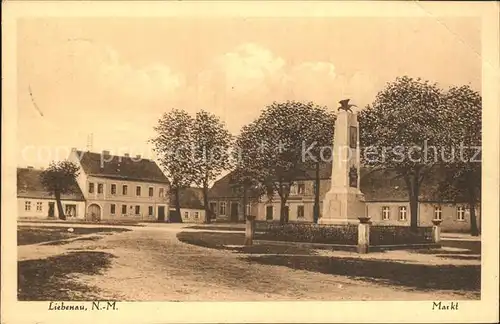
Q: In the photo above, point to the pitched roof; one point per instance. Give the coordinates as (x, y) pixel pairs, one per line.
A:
(376, 184)
(189, 198)
(29, 185)
(223, 188)
(120, 167)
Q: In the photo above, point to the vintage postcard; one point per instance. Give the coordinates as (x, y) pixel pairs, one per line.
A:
(218, 162)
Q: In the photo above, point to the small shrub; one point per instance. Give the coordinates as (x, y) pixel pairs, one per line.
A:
(392, 235)
(309, 233)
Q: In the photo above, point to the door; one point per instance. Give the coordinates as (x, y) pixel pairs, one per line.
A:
(213, 206)
(287, 210)
(269, 213)
(51, 209)
(234, 212)
(94, 212)
(161, 213)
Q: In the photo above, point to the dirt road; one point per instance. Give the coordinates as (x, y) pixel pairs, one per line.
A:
(150, 264)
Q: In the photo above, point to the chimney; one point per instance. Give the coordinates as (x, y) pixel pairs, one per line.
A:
(105, 153)
(138, 156)
(127, 155)
(30, 167)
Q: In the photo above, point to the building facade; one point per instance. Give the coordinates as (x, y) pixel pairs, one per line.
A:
(35, 202)
(226, 201)
(386, 198)
(192, 210)
(121, 187)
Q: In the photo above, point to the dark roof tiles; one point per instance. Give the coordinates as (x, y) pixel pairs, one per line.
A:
(121, 167)
(29, 185)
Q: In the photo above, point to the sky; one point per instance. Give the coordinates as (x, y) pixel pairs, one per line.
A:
(114, 78)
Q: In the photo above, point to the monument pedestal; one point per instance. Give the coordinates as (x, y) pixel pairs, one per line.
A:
(344, 203)
(341, 207)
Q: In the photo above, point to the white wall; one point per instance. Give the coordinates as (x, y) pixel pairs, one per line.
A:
(44, 212)
(188, 215)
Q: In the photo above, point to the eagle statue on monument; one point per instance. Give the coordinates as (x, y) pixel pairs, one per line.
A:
(344, 105)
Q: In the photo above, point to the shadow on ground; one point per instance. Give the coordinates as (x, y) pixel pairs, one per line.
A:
(32, 235)
(449, 254)
(443, 277)
(49, 279)
(64, 242)
(234, 242)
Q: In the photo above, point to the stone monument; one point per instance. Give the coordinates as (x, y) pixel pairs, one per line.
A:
(345, 203)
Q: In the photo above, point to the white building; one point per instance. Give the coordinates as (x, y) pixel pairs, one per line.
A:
(35, 202)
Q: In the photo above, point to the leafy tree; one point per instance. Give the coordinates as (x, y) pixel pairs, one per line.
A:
(173, 146)
(405, 119)
(319, 134)
(462, 180)
(244, 178)
(272, 147)
(211, 144)
(58, 179)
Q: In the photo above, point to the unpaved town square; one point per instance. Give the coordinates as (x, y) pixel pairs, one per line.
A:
(150, 263)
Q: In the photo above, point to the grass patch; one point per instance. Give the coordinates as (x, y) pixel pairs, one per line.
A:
(221, 241)
(49, 279)
(33, 235)
(218, 228)
(463, 279)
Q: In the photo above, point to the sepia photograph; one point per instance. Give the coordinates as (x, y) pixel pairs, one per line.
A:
(246, 158)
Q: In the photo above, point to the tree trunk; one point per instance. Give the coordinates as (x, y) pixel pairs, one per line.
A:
(178, 216)
(205, 203)
(245, 202)
(316, 195)
(472, 211)
(413, 188)
(59, 206)
(473, 222)
(414, 212)
(283, 218)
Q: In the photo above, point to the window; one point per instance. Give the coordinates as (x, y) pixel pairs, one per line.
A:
(91, 187)
(293, 190)
(113, 189)
(138, 191)
(112, 209)
(39, 206)
(125, 190)
(161, 192)
(301, 188)
(386, 212)
(249, 209)
(300, 211)
(137, 210)
(196, 214)
(222, 208)
(269, 212)
(150, 210)
(70, 210)
(460, 213)
(186, 214)
(27, 205)
(402, 213)
(151, 191)
(438, 212)
(124, 209)
(100, 188)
